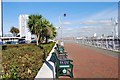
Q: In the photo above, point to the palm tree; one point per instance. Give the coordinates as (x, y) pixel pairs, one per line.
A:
(41, 27)
(35, 27)
(45, 24)
(54, 33)
(49, 32)
(14, 31)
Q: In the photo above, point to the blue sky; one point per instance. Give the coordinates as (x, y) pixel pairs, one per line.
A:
(79, 14)
(60, 0)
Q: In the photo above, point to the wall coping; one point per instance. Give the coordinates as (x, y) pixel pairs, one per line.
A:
(48, 69)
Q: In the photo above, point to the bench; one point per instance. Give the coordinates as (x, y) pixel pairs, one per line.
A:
(61, 55)
(59, 48)
(63, 67)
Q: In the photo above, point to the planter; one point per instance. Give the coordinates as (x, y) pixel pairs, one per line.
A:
(47, 70)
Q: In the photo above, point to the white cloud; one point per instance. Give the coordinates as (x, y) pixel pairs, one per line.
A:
(95, 22)
(88, 30)
(106, 14)
(99, 23)
(67, 22)
(99, 30)
(68, 29)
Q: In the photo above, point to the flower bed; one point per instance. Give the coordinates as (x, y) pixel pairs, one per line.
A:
(24, 60)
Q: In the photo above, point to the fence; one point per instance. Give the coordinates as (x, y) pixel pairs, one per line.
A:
(109, 43)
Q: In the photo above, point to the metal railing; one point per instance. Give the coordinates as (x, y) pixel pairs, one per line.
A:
(109, 43)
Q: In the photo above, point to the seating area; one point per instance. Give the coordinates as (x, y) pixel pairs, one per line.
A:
(63, 65)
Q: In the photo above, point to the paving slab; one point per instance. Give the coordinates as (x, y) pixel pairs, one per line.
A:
(91, 63)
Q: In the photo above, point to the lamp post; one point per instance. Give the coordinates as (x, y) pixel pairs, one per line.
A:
(1, 26)
(60, 21)
(115, 33)
(115, 25)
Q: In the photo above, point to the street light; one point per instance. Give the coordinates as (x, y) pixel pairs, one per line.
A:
(115, 25)
(1, 9)
(60, 21)
(115, 33)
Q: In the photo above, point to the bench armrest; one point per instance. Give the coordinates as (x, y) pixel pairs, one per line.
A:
(70, 60)
(63, 54)
(67, 60)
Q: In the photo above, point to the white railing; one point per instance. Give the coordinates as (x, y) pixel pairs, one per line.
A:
(107, 43)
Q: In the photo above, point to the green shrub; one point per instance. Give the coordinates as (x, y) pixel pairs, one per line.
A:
(23, 60)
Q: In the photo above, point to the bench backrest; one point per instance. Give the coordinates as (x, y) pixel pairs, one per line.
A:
(59, 62)
(55, 58)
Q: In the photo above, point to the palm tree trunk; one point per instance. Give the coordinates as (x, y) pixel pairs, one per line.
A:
(46, 39)
(14, 34)
(38, 39)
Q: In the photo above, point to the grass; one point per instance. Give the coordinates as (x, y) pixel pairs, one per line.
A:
(24, 60)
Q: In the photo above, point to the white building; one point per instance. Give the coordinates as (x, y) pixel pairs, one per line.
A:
(23, 27)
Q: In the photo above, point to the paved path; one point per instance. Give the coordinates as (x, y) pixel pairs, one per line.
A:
(89, 63)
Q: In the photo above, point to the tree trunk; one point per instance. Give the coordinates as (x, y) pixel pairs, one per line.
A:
(38, 40)
(46, 39)
(13, 34)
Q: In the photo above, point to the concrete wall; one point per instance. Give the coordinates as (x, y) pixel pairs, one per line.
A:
(47, 70)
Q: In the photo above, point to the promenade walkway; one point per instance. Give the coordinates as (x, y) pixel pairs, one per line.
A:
(92, 63)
